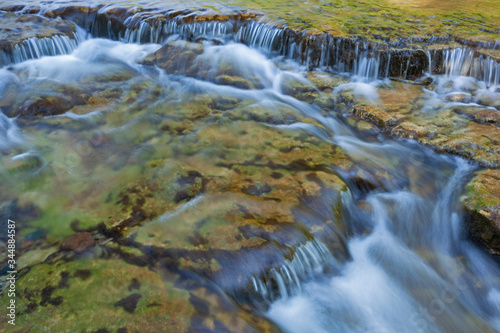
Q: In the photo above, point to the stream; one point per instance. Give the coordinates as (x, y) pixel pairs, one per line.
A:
(410, 265)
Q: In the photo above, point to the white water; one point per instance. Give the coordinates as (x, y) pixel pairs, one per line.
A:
(35, 48)
(10, 136)
(463, 62)
(403, 276)
(308, 262)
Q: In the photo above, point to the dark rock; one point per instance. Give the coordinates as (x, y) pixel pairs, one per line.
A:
(129, 303)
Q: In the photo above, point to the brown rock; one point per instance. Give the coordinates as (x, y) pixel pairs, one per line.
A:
(481, 116)
(14, 29)
(466, 131)
(44, 106)
(78, 242)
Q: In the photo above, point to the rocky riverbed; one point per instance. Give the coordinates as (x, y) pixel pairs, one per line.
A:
(189, 168)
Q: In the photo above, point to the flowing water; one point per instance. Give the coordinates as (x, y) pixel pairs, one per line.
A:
(412, 267)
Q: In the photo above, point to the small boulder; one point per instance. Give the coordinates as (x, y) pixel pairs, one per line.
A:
(78, 242)
(44, 106)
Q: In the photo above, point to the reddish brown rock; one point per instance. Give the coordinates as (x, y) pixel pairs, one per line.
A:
(78, 242)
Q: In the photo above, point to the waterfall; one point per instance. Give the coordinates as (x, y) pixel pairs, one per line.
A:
(429, 59)
(161, 30)
(261, 36)
(354, 56)
(366, 68)
(466, 62)
(35, 48)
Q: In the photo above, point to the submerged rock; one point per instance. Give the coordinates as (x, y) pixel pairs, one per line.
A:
(481, 115)
(43, 106)
(168, 57)
(209, 64)
(482, 203)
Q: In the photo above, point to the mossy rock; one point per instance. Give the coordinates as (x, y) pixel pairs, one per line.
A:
(112, 295)
(482, 203)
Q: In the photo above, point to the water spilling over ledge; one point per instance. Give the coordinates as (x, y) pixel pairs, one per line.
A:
(356, 56)
(309, 260)
(34, 48)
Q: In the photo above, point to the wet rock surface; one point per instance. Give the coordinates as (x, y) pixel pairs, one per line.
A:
(16, 28)
(128, 298)
(468, 131)
(398, 24)
(482, 201)
(401, 53)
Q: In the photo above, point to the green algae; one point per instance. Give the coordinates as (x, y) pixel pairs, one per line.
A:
(66, 297)
(386, 20)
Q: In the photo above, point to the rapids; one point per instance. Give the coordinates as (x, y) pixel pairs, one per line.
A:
(412, 267)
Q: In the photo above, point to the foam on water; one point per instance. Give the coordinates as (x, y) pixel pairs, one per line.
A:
(240, 61)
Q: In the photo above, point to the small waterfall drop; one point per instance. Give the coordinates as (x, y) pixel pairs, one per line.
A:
(36, 48)
(280, 283)
(465, 62)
